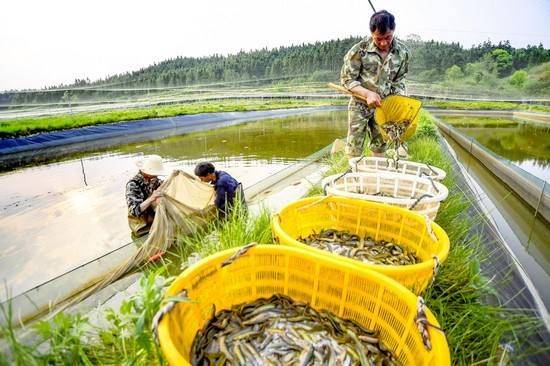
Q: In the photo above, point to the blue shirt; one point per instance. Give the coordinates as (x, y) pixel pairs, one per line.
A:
(225, 186)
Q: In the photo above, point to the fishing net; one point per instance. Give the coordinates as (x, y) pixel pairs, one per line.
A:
(186, 204)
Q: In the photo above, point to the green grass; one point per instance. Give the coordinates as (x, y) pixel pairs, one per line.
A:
(27, 126)
(474, 329)
(479, 121)
(489, 105)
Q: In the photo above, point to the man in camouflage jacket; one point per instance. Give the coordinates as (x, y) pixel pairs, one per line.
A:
(373, 68)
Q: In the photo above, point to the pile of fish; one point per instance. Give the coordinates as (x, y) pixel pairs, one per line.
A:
(280, 331)
(365, 249)
(395, 131)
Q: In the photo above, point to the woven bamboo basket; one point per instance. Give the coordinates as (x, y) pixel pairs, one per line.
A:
(427, 240)
(414, 193)
(373, 300)
(373, 164)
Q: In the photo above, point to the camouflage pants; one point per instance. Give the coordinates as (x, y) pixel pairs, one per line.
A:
(361, 126)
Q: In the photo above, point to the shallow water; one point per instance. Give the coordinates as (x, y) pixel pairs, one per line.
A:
(59, 215)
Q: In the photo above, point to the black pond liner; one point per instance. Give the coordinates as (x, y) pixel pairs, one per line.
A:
(41, 147)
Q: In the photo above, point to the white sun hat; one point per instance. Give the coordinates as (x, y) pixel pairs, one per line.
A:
(152, 165)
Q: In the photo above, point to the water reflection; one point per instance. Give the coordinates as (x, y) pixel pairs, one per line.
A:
(59, 215)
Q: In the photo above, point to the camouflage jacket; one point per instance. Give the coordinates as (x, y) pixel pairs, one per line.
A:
(364, 66)
(138, 190)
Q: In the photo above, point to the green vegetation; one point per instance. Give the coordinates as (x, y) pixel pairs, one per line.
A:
(27, 126)
(480, 121)
(488, 105)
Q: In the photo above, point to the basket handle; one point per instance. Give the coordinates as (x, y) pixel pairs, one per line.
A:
(423, 324)
(239, 253)
(325, 188)
(358, 161)
(437, 264)
(181, 297)
(431, 181)
(429, 228)
(425, 195)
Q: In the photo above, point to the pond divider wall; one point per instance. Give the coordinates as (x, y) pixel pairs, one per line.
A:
(534, 191)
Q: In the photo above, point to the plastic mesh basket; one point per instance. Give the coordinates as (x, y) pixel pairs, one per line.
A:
(380, 221)
(373, 300)
(398, 108)
(421, 195)
(373, 164)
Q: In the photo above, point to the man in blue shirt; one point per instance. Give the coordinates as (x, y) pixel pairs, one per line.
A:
(225, 185)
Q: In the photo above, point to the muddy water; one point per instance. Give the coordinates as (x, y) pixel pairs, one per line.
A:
(58, 215)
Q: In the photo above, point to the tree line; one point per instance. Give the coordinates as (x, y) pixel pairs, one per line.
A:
(319, 61)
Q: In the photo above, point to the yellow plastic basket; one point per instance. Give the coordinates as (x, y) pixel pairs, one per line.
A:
(373, 300)
(397, 108)
(377, 220)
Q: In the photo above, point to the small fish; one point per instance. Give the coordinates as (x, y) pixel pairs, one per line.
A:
(280, 331)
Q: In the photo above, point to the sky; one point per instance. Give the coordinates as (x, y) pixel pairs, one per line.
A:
(44, 43)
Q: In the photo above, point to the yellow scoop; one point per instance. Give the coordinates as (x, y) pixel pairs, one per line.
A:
(397, 109)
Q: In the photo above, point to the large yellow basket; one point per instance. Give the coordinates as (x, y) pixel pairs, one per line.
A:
(373, 300)
(378, 220)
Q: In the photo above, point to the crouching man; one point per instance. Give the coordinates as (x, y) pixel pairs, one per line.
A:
(228, 190)
(142, 194)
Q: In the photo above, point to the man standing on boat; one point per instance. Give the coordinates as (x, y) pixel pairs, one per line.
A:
(373, 68)
(142, 193)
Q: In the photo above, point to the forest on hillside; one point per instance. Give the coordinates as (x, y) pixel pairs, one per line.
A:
(487, 65)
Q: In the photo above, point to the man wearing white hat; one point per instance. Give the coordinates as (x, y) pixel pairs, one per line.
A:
(142, 193)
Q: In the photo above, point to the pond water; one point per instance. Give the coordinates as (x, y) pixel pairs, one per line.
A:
(525, 144)
(59, 215)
